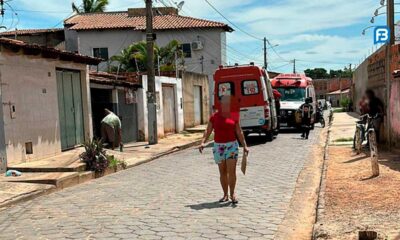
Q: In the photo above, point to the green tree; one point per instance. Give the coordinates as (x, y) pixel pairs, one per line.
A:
(90, 6)
(169, 54)
(134, 57)
(317, 73)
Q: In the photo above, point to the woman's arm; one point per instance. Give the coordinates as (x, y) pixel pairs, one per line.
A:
(240, 136)
(206, 135)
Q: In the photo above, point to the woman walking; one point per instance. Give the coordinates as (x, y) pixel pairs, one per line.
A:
(227, 131)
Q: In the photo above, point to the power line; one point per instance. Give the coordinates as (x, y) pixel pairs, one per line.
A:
(238, 54)
(233, 24)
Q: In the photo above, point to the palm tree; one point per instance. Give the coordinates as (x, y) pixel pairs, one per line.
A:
(91, 6)
(134, 57)
(169, 54)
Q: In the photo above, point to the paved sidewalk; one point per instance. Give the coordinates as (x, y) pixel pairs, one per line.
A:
(343, 127)
(351, 201)
(64, 170)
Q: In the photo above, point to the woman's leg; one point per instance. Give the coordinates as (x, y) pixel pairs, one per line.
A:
(223, 177)
(231, 166)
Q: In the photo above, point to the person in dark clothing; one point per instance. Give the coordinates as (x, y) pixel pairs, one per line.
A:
(376, 110)
(277, 97)
(306, 111)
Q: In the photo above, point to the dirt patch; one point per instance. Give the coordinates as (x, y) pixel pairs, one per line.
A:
(299, 220)
(354, 202)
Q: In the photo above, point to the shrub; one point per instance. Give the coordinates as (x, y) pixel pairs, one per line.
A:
(115, 163)
(345, 103)
(95, 156)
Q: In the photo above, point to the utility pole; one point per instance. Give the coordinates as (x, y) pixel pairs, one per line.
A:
(294, 65)
(2, 8)
(151, 84)
(388, 67)
(265, 54)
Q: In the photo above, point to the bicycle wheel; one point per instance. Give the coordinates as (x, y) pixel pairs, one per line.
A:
(373, 146)
(358, 140)
(322, 121)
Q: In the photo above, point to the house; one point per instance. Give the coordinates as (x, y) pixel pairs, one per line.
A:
(169, 103)
(52, 37)
(106, 34)
(321, 87)
(118, 94)
(46, 101)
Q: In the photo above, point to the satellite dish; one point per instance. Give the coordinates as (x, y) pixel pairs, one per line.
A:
(180, 5)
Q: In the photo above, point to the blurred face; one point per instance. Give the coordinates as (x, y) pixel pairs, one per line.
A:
(226, 104)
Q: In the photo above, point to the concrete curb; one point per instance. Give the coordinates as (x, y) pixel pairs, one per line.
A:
(172, 150)
(34, 194)
(321, 189)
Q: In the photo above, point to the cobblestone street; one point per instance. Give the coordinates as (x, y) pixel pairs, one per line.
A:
(170, 198)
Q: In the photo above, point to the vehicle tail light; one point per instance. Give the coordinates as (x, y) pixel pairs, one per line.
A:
(266, 110)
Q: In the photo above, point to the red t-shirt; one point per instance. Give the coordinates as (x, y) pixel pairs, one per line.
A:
(224, 128)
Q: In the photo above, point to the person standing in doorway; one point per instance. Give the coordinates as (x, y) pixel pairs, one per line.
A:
(111, 130)
(306, 111)
(227, 132)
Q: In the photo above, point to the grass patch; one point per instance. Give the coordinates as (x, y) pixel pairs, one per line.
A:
(338, 110)
(349, 139)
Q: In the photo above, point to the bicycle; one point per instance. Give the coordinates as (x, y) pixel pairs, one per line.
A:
(365, 130)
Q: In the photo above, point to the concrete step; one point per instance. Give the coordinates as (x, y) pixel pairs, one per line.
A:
(197, 129)
(59, 179)
(78, 167)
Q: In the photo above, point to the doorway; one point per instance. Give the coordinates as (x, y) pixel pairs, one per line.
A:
(70, 108)
(168, 98)
(197, 97)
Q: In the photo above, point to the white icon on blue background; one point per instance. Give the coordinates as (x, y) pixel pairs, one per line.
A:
(381, 35)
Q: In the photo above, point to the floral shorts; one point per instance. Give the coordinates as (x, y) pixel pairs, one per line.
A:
(225, 151)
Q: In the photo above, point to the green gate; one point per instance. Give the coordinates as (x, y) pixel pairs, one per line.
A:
(70, 108)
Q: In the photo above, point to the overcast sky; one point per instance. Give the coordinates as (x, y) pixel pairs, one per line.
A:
(318, 33)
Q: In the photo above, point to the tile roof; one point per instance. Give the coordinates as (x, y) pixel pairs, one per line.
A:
(120, 20)
(47, 52)
(31, 31)
(112, 79)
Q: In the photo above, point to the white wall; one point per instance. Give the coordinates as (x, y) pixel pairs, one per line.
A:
(214, 41)
(29, 84)
(114, 40)
(142, 106)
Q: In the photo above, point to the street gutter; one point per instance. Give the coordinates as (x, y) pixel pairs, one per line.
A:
(322, 184)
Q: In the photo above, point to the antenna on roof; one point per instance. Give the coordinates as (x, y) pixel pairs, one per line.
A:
(180, 5)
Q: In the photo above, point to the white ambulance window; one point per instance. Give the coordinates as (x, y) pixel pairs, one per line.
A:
(225, 89)
(250, 87)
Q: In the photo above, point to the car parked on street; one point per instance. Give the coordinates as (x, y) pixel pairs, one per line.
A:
(252, 89)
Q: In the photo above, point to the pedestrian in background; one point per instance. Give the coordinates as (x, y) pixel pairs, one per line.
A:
(306, 111)
(227, 132)
(375, 110)
(111, 131)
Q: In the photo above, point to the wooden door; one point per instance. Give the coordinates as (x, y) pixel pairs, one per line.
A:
(169, 109)
(197, 105)
(70, 108)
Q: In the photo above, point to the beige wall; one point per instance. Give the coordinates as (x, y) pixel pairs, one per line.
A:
(188, 81)
(29, 84)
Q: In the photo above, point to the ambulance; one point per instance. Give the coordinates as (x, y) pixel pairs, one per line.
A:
(252, 89)
(294, 88)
